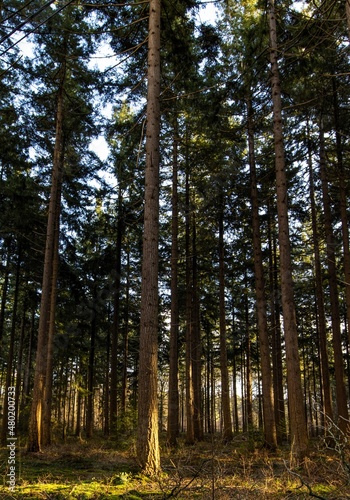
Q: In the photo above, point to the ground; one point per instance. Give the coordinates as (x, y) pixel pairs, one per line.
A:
(105, 468)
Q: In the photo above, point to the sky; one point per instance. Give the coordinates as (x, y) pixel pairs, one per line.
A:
(206, 14)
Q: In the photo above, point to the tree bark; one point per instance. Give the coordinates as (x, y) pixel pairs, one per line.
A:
(333, 294)
(47, 397)
(173, 397)
(36, 414)
(320, 310)
(196, 348)
(343, 183)
(116, 316)
(299, 439)
(147, 432)
(189, 312)
(225, 390)
(261, 305)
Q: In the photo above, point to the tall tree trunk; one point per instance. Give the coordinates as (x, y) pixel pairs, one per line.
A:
(277, 363)
(123, 399)
(47, 397)
(261, 305)
(106, 427)
(147, 436)
(196, 348)
(225, 387)
(343, 183)
(36, 414)
(320, 310)
(116, 316)
(91, 371)
(248, 371)
(333, 294)
(173, 397)
(299, 439)
(189, 312)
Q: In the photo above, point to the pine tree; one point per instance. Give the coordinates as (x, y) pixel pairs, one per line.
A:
(299, 440)
(147, 435)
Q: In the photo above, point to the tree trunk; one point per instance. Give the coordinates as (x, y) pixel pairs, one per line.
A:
(277, 364)
(35, 422)
(343, 184)
(320, 310)
(91, 372)
(299, 439)
(333, 294)
(173, 398)
(189, 312)
(147, 436)
(116, 317)
(225, 387)
(123, 399)
(196, 348)
(47, 397)
(264, 344)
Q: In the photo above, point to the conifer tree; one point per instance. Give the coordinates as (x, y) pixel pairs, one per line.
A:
(299, 440)
(147, 434)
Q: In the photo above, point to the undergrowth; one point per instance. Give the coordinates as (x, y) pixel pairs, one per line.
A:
(100, 469)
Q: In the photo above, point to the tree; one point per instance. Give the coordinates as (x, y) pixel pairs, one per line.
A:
(147, 431)
(261, 304)
(299, 439)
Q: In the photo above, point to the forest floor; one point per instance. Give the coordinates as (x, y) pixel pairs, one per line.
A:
(101, 468)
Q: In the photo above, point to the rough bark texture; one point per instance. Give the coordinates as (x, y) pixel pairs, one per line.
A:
(196, 348)
(47, 398)
(333, 294)
(147, 435)
(40, 376)
(113, 408)
(225, 392)
(343, 185)
(299, 439)
(321, 317)
(173, 399)
(261, 305)
(189, 311)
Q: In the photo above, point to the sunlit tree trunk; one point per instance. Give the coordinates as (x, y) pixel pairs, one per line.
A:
(47, 399)
(36, 414)
(147, 433)
(299, 439)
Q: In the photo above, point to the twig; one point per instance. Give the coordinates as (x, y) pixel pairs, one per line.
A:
(303, 483)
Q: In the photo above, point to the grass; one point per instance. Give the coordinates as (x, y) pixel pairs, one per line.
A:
(209, 470)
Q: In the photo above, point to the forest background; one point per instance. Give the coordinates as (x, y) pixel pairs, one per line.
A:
(193, 281)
